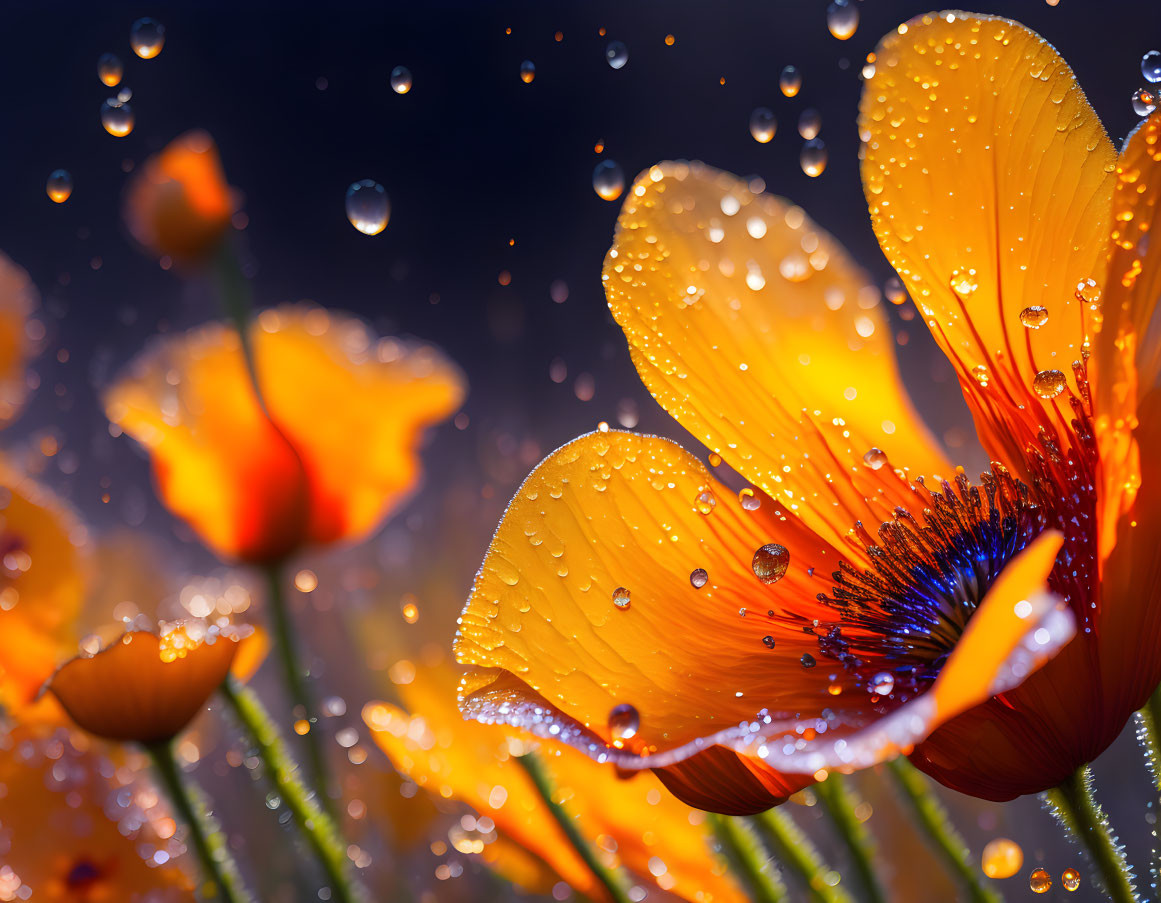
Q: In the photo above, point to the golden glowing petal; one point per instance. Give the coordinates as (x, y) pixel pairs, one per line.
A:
(988, 177)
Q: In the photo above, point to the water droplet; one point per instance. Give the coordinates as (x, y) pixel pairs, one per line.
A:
(768, 642)
(809, 123)
(621, 598)
(608, 180)
(1034, 317)
(617, 54)
(893, 289)
(813, 158)
(400, 79)
(117, 118)
(980, 374)
(1001, 858)
(715, 460)
(1088, 292)
(1049, 383)
(367, 207)
(1144, 101)
(749, 499)
(147, 37)
(875, 458)
(109, 69)
(963, 282)
(883, 683)
(842, 18)
(527, 71)
(763, 125)
(1040, 881)
(1151, 66)
(807, 660)
(705, 502)
(624, 722)
(91, 645)
(698, 578)
(60, 185)
(770, 563)
(790, 81)
(1070, 879)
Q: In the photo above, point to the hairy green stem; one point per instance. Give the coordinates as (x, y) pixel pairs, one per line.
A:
(1149, 736)
(936, 826)
(787, 842)
(839, 802)
(1076, 808)
(747, 860)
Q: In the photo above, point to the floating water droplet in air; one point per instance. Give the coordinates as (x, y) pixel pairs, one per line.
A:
(1001, 858)
(400, 79)
(763, 125)
(893, 289)
(608, 180)
(875, 458)
(60, 185)
(117, 118)
(1049, 383)
(809, 123)
(842, 18)
(1040, 881)
(624, 722)
(617, 54)
(527, 71)
(1144, 101)
(807, 660)
(768, 642)
(963, 282)
(770, 563)
(1070, 879)
(621, 598)
(698, 578)
(368, 208)
(749, 499)
(813, 158)
(883, 683)
(790, 81)
(109, 70)
(147, 37)
(1034, 317)
(1151, 66)
(125, 95)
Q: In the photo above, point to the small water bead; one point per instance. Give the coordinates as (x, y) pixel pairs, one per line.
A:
(894, 290)
(621, 598)
(1001, 858)
(980, 374)
(1151, 66)
(1049, 383)
(617, 55)
(1034, 317)
(1070, 879)
(698, 578)
(1144, 101)
(963, 282)
(749, 499)
(125, 95)
(705, 502)
(400, 79)
(807, 660)
(790, 81)
(368, 208)
(715, 460)
(109, 70)
(875, 458)
(813, 158)
(770, 563)
(117, 118)
(763, 125)
(608, 180)
(768, 642)
(842, 18)
(1040, 881)
(809, 123)
(883, 683)
(527, 71)
(60, 185)
(624, 722)
(1088, 292)
(147, 37)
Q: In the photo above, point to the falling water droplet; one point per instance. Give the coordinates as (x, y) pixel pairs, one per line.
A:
(624, 722)
(813, 158)
(60, 185)
(768, 642)
(1151, 66)
(1040, 881)
(770, 563)
(527, 71)
(109, 70)
(608, 180)
(1144, 101)
(763, 125)
(147, 37)
(883, 683)
(875, 458)
(1034, 317)
(117, 118)
(621, 598)
(1070, 879)
(368, 208)
(963, 282)
(400, 79)
(790, 81)
(809, 123)
(842, 18)
(1001, 858)
(749, 499)
(698, 578)
(893, 289)
(617, 54)
(1049, 383)
(807, 660)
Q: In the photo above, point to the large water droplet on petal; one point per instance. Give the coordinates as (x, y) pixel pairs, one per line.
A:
(698, 578)
(883, 683)
(1034, 317)
(624, 722)
(621, 598)
(875, 458)
(963, 282)
(770, 563)
(147, 37)
(1049, 383)
(368, 208)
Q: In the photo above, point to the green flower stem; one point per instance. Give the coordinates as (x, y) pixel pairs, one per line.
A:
(1075, 807)
(317, 827)
(839, 802)
(234, 295)
(1149, 735)
(747, 860)
(787, 842)
(294, 676)
(610, 879)
(937, 828)
(222, 882)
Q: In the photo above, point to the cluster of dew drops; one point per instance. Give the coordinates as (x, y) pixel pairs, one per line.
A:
(1145, 98)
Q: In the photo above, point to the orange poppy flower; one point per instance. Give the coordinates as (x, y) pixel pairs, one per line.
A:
(843, 609)
(334, 448)
(651, 834)
(73, 834)
(178, 204)
(18, 299)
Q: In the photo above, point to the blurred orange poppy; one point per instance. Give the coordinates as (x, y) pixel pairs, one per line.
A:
(646, 830)
(18, 299)
(842, 610)
(334, 448)
(178, 204)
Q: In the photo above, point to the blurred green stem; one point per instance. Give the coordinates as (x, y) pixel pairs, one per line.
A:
(1149, 735)
(317, 827)
(221, 881)
(1076, 808)
(612, 881)
(937, 828)
(840, 802)
(747, 860)
(234, 295)
(787, 842)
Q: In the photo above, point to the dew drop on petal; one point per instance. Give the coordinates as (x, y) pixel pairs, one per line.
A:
(749, 499)
(109, 69)
(617, 55)
(1070, 879)
(980, 374)
(875, 458)
(621, 598)
(1034, 317)
(705, 502)
(813, 158)
(807, 660)
(527, 71)
(1088, 292)
(1144, 101)
(770, 563)
(117, 118)
(1001, 858)
(698, 578)
(763, 125)
(400, 79)
(608, 180)
(1040, 881)
(368, 208)
(790, 81)
(1049, 383)
(809, 123)
(147, 37)
(60, 185)
(768, 642)
(883, 683)
(842, 18)
(624, 722)
(963, 282)
(1151, 66)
